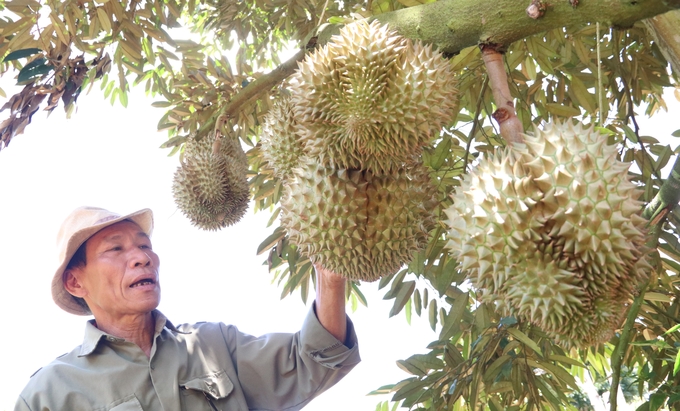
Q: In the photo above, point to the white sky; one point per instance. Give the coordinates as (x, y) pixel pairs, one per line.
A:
(109, 157)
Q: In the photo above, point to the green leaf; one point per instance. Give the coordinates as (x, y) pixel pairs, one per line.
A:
(658, 297)
(672, 329)
(508, 321)
(630, 134)
(562, 111)
(412, 386)
(432, 314)
(676, 365)
(441, 153)
(520, 336)
(492, 371)
(656, 401)
(35, 68)
(270, 241)
(676, 133)
(556, 371)
(585, 99)
(402, 297)
(175, 141)
(385, 389)
(161, 104)
(452, 322)
(15, 55)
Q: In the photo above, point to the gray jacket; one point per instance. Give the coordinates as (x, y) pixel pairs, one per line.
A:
(193, 367)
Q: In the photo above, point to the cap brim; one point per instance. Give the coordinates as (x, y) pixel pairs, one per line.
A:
(143, 218)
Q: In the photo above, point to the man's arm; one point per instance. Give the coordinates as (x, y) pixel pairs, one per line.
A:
(330, 302)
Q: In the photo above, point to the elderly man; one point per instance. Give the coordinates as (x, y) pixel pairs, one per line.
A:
(133, 358)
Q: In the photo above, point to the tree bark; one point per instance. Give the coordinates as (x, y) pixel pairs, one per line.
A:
(452, 25)
(665, 29)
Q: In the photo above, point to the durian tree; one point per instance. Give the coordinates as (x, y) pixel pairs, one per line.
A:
(521, 69)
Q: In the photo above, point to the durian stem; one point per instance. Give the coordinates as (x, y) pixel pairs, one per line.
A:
(656, 211)
(505, 115)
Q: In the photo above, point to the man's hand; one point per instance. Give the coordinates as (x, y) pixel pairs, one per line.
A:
(330, 302)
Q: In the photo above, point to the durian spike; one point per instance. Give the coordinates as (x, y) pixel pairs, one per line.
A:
(505, 115)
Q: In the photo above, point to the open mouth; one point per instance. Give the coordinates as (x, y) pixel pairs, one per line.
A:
(144, 281)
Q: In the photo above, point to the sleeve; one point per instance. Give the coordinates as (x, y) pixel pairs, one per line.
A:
(286, 371)
(21, 405)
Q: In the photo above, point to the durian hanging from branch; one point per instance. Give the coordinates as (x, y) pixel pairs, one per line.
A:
(359, 201)
(210, 186)
(551, 232)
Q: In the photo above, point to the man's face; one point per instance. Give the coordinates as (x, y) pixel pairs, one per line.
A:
(120, 276)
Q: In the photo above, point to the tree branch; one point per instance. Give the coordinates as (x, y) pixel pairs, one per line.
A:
(452, 25)
(260, 85)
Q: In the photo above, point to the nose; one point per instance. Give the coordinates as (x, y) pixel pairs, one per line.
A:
(140, 259)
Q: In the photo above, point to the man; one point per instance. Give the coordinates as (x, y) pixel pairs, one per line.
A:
(133, 358)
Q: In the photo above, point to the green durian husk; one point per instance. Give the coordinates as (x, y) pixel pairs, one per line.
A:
(355, 223)
(371, 99)
(546, 228)
(211, 189)
(282, 148)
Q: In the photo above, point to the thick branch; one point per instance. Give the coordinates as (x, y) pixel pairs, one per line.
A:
(262, 84)
(452, 25)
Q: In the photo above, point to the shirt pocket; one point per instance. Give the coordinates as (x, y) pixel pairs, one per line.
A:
(129, 403)
(206, 392)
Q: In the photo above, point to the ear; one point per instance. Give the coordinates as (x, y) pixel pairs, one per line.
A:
(72, 284)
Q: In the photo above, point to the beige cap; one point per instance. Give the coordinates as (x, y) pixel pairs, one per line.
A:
(80, 225)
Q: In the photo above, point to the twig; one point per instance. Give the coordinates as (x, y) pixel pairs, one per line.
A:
(599, 75)
(475, 121)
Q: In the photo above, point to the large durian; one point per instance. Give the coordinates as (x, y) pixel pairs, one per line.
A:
(550, 231)
(281, 146)
(355, 223)
(210, 186)
(371, 99)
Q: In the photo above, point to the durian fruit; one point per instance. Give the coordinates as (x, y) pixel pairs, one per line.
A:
(212, 189)
(371, 99)
(281, 147)
(550, 231)
(358, 224)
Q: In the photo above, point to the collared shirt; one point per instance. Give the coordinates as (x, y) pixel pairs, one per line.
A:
(202, 366)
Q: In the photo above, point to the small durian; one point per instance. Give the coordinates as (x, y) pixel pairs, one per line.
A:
(355, 223)
(211, 189)
(551, 232)
(281, 147)
(370, 99)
